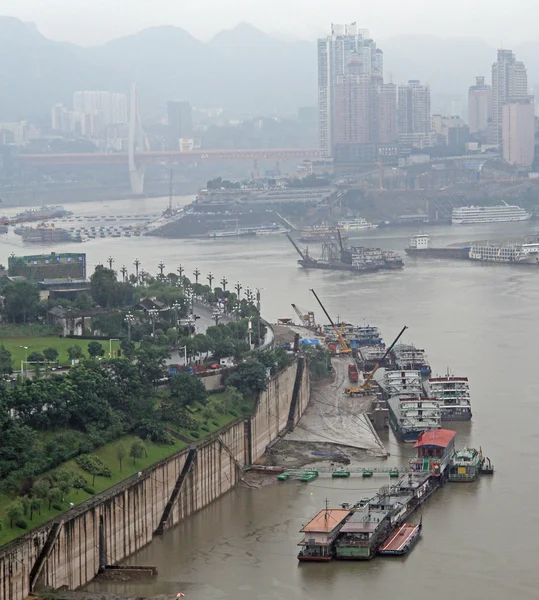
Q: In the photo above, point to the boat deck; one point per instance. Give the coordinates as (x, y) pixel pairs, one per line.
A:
(399, 541)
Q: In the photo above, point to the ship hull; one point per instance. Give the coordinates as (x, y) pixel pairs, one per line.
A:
(462, 253)
(452, 415)
(473, 221)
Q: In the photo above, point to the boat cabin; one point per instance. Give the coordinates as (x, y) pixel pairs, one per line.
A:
(435, 448)
(419, 241)
(320, 534)
(397, 504)
(361, 535)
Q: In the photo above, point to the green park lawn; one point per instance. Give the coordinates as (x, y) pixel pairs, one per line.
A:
(107, 454)
(38, 344)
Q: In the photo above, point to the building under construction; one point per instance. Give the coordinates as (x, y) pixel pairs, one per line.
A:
(38, 267)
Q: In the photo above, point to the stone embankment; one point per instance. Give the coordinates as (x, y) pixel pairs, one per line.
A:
(72, 549)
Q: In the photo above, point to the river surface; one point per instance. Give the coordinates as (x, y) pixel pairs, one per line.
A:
(480, 541)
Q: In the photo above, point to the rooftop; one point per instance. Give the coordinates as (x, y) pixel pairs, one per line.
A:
(364, 521)
(435, 437)
(326, 520)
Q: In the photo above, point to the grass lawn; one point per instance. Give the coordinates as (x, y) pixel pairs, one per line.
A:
(38, 344)
(107, 454)
(197, 412)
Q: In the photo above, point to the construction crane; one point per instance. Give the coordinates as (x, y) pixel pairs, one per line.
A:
(296, 247)
(306, 317)
(345, 348)
(366, 385)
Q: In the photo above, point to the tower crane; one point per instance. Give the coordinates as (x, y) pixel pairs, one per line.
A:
(345, 348)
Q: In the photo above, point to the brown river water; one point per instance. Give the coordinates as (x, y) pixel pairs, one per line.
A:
(480, 540)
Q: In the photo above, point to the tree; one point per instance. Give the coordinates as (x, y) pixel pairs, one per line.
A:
(64, 479)
(187, 389)
(107, 291)
(79, 482)
(40, 489)
(84, 301)
(137, 450)
(121, 453)
(249, 378)
(54, 495)
(14, 512)
(75, 352)
(223, 348)
(5, 361)
(95, 349)
(36, 357)
(35, 505)
(21, 301)
(51, 354)
(128, 348)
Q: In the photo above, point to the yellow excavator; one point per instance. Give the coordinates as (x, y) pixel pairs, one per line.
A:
(344, 347)
(366, 386)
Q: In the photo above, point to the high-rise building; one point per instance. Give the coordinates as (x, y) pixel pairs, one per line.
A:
(518, 132)
(509, 82)
(334, 55)
(352, 105)
(180, 122)
(99, 109)
(479, 106)
(387, 113)
(414, 108)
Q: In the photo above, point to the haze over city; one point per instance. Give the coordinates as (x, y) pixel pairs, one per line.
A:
(89, 22)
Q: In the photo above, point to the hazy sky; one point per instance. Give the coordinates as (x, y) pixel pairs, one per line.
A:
(94, 21)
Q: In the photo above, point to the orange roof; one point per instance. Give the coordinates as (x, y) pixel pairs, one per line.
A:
(326, 520)
(435, 437)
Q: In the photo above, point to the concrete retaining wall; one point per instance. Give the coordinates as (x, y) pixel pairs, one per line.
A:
(131, 512)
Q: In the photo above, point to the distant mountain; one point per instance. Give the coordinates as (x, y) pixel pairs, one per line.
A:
(242, 69)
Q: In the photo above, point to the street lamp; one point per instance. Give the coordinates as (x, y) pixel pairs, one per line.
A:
(238, 289)
(216, 315)
(184, 348)
(161, 267)
(25, 359)
(153, 312)
(180, 270)
(210, 277)
(123, 271)
(250, 331)
(196, 273)
(110, 260)
(258, 309)
(249, 295)
(224, 282)
(129, 319)
(137, 265)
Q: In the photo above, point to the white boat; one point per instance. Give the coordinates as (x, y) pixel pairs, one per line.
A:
(503, 213)
(519, 254)
(453, 393)
(356, 224)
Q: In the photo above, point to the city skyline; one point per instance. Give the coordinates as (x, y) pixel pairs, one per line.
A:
(91, 23)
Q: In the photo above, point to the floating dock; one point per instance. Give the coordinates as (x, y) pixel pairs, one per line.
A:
(402, 540)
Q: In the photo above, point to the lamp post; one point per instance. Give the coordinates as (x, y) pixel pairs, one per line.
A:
(137, 265)
(216, 315)
(110, 260)
(25, 364)
(180, 270)
(129, 319)
(249, 295)
(123, 271)
(153, 312)
(161, 267)
(238, 289)
(224, 282)
(184, 348)
(250, 331)
(258, 309)
(196, 273)
(210, 277)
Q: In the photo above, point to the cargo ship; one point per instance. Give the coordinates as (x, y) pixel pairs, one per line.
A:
(408, 357)
(419, 245)
(43, 212)
(45, 234)
(453, 393)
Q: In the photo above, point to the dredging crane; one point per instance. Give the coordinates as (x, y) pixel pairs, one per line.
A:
(345, 348)
(366, 385)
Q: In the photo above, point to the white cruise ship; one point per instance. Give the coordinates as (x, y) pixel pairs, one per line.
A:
(356, 224)
(466, 215)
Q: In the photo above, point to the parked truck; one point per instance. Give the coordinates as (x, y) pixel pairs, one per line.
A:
(353, 374)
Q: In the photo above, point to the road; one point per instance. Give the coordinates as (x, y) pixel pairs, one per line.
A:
(333, 417)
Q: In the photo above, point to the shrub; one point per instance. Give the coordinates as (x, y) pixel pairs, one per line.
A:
(57, 507)
(215, 423)
(21, 524)
(205, 428)
(89, 490)
(93, 464)
(194, 434)
(233, 413)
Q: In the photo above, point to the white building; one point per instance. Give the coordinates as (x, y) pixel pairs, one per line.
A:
(334, 54)
(414, 108)
(479, 106)
(102, 108)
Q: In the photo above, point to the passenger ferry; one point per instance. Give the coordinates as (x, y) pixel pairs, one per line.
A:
(356, 224)
(518, 254)
(453, 393)
(466, 215)
(410, 416)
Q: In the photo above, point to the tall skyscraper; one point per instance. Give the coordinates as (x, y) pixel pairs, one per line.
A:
(335, 52)
(352, 106)
(518, 132)
(414, 108)
(387, 113)
(479, 106)
(180, 122)
(111, 107)
(509, 83)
